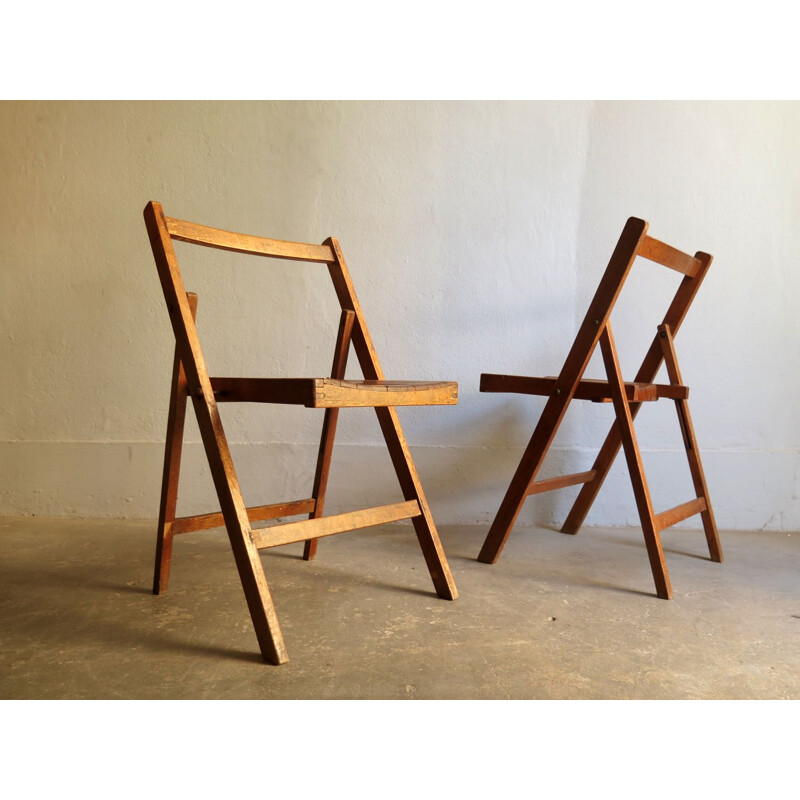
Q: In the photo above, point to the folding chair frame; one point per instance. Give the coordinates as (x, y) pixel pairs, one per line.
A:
(191, 379)
(627, 399)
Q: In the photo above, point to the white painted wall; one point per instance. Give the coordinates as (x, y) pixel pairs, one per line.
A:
(476, 234)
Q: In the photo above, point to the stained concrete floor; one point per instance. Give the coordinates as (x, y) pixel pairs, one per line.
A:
(558, 617)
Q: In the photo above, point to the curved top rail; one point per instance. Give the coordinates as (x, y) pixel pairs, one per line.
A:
(203, 235)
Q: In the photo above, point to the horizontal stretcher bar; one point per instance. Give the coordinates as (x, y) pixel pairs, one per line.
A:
(243, 243)
(589, 389)
(337, 523)
(333, 393)
(549, 484)
(666, 519)
(202, 522)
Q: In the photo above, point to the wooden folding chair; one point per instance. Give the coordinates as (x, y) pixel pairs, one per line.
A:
(627, 398)
(190, 378)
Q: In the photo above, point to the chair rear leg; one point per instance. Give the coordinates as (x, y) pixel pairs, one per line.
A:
(699, 480)
(172, 467)
(321, 476)
(690, 444)
(338, 369)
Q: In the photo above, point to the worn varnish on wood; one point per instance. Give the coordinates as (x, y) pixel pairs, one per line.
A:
(333, 393)
(627, 398)
(191, 380)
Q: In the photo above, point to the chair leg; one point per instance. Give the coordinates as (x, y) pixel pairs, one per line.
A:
(411, 487)
(699, 480)
(256, 592)
(172, 468)
(529, 466)
(633, 456)
(237, 524)
(690, 444)
(321, 476)
(602, 464)
(329, 425)
(512, 504)
(169, 484)
(309, 548)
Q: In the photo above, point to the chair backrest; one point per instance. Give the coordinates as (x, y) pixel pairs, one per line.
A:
(163, 229)
(633, 242)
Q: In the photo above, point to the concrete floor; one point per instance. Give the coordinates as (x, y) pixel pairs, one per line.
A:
(558, 617)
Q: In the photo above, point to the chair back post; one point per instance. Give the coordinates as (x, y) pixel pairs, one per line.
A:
(606, 296)
(674, 317)
(346, 293)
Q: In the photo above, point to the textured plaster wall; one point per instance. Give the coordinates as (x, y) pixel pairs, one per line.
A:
(476, 234)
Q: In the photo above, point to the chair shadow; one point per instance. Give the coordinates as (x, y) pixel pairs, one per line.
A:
(670, 550)
(630, 543)
(87, 621)
(135, 589)
(564, 580)
(248, 656)
(71, 626)
(359, 579)
(567, 580)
